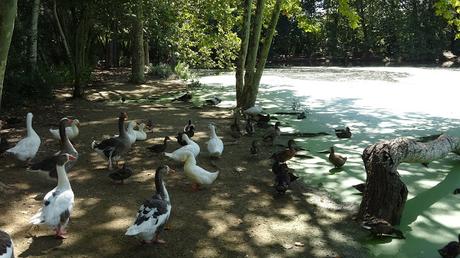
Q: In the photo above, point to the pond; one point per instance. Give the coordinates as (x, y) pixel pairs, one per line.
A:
(377, 103)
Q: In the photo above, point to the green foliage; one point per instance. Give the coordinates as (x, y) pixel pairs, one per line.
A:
(162, 71)
(182, 71)
(450, 11)
(349, 13)
(194, 84)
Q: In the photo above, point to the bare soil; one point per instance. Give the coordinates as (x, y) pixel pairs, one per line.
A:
(238, 216)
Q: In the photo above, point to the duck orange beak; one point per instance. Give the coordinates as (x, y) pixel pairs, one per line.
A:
(72, 157)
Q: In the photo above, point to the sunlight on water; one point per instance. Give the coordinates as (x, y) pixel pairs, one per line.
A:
(377, 103)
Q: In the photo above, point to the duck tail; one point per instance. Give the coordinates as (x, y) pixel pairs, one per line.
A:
(37, 218)
(214, 176)
(132, 231)
(93, 144)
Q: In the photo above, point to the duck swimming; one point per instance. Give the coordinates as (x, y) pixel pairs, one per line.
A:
(343, 133)
(336, 159)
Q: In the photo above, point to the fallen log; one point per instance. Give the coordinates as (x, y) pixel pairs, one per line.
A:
(385, 194)
(305, 135)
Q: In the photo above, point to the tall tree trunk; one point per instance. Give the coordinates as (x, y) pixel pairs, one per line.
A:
(33, 35)
(64, 39)
(243, 50)
(385, 194)
(251, 58)
(146, 53)
(82, 41)
(8, 10)
(137, 66)
(252, 91)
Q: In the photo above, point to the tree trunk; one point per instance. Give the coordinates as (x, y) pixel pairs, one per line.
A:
(385, 194)
(146, 53)
(8, 10)
(64, 39)
(253, 49)
(137, 66)
(33, 35)
(243, 49)
(82, 41)
(264, 53)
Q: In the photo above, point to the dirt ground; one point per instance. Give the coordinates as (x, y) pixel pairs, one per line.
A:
(238, 216)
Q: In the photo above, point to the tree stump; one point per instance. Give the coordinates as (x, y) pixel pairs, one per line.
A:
(385, 194)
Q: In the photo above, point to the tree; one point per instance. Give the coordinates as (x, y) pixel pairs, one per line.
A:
(450, 11)
(33, 35)
(251, 62)
(8, 9)
(137, 65)
(385, 194)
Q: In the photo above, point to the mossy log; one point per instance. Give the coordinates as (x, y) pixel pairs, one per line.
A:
(385, 194)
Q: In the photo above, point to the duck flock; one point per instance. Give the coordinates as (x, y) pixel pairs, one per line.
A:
(154, 213)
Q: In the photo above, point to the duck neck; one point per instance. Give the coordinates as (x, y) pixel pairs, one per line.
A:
(63, 180)
(213, 132)
(121, 127)
(160, 186)
(30, 130)
(190, 161)
(164, 141)
(66, 145)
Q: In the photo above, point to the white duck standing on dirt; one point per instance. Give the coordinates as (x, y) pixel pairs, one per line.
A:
(6, 245)
(58, 203)
(179, 155)
(215, 144)
(27, 148)
(198, 175)
(71, 131)
(154, 213)
(141, 135)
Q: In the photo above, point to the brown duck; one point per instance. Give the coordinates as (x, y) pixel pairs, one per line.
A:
(336, 159)
(343, 133)
(274, 132)
(159, 148)
(287, 154)
(381, 228)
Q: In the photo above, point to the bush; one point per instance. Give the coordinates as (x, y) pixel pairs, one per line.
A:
(182, 71)
(162, 71)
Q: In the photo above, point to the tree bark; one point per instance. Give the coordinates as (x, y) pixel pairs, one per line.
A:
(146, 53)
(82, 41)
(33, 35)
(385, 194)
(8, 10)
(243, 49)
(137, 66)
(64, 39)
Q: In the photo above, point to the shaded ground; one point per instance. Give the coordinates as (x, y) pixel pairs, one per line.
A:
(238, 216)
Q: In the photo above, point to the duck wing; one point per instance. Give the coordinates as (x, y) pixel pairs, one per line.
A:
(151, 217)
(47, 164)
(55, 203)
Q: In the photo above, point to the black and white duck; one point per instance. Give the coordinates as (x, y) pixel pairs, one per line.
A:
(48, 164)
(343, 133)
(6, 245)
(154, 213)
(214, 101)
(283, 178)
(58, 203)
(27, 148)
(179, 155)
(121, 174)
(189, 129)
(159, 148)
(336, 159)
(451, 250)
(114, 148)
(184, 98)
(272, 133)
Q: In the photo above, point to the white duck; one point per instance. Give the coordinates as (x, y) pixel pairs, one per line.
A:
(154, 213)
(140, 133)
(215, 144)
(130, 132)
(6, 245)
(198, 175)
(27, 148)
(71, 131)
(58, 203)
(180, 154)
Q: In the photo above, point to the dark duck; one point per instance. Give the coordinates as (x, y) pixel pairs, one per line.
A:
(287, 154)
(283, 178)
(451, 250)
(343, 133)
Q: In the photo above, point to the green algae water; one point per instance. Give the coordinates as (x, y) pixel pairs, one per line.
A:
(377, 103)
